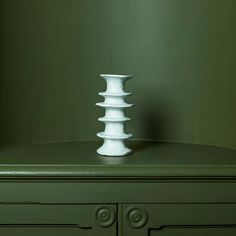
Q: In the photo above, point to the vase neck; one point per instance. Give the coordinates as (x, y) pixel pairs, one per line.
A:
(115, 83)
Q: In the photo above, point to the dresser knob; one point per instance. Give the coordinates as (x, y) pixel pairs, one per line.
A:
(136, 217)
(105, 216)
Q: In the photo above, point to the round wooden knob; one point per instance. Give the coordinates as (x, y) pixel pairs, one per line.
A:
(105, 216)
(137, 217)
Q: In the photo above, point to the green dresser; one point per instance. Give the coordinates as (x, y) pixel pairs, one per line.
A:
(166, 189)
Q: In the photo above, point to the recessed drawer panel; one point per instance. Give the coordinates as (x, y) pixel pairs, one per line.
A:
(187, 219)
(194, 231)
(67, 219)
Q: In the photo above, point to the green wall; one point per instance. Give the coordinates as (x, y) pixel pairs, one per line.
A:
(182, 54)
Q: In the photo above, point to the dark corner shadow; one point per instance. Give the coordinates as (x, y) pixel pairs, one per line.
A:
(2, 14)
(2, 9)
(140, 145)
(154, 121)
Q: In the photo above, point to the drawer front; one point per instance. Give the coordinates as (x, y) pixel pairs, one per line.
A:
(194, 231)
(113, 192)
(42, 230)
(59, 220)
(179, 219)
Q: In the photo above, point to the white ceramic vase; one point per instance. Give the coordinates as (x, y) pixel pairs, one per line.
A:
(114, 103)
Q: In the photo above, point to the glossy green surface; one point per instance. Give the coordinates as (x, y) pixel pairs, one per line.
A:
(149, 159)
(49, 220)
(180, 52)
(185, 220)
(46, 231)
(195, 231)
(58, 189)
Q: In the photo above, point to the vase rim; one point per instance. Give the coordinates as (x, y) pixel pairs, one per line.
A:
(115, 76)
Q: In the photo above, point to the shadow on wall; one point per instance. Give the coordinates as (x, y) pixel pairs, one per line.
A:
(1, 37)
(1, 50)
(2, 8)
(154, 122)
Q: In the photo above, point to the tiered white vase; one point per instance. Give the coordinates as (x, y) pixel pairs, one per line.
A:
(114, 103)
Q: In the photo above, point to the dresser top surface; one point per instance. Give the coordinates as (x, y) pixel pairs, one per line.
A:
(149, 159)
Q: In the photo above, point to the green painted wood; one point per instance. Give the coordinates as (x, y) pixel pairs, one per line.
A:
(180, 52)
(180, 219)
(195, 231)
(32, 214)
(56, 189)
(72, 172)
(46, 231)
(150, 159)
(64, 220)
(172, 191)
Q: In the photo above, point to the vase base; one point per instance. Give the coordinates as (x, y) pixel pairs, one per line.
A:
(114, 153)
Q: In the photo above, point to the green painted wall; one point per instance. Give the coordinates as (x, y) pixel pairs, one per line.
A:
(182, 54)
